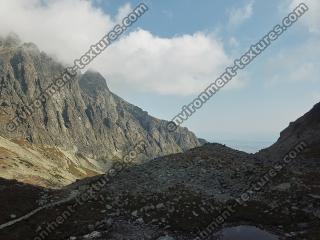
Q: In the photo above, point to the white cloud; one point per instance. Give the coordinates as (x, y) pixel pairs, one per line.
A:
(312, 18)
(139, 61)
(123, 12)
(180, 65)
(238, 15)
(64, 28)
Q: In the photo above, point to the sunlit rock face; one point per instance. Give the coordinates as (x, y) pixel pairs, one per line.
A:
(84, 116)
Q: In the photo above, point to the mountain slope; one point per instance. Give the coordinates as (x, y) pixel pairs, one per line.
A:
(46, 166)
(180, 194)
(305, 129)
(84, 118)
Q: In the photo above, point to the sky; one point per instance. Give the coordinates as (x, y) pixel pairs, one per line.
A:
(178, 48)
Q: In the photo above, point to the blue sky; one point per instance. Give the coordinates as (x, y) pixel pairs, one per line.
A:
(260, 109)
(179, 47)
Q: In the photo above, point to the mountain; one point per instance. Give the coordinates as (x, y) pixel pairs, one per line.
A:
(178, 196)
(305, 129)
(83, 126)
(84, 129)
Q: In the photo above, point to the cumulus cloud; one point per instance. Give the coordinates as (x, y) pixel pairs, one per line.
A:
(180, 65)
(312, 18)
(139, 61)
(238, 15)
(64, 28)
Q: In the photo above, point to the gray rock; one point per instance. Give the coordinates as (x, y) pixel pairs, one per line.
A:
(283, 187)
(92, 235)
(84, 117)
(135, 213)
(166, 238)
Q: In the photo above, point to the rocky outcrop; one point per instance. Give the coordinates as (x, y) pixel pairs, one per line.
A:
(170, 197)
(178, 195)
(84, 118)
(305, 129)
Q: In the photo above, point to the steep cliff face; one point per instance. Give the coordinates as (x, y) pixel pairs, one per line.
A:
(305, 129)
(84, 118)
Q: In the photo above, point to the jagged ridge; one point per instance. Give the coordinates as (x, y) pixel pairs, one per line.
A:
(85, 118)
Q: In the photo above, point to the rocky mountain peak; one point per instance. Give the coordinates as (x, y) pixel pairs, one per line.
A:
(12, 40)
(93, 83)
(83, 118)
(304, 129)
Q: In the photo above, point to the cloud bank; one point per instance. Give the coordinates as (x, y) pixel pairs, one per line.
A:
(139, 61)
